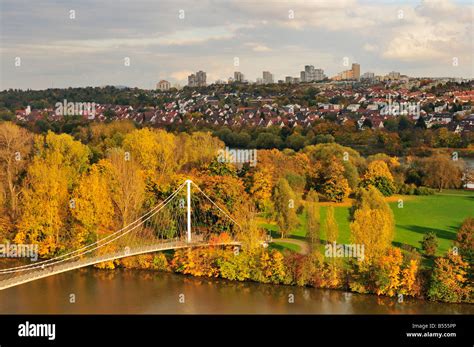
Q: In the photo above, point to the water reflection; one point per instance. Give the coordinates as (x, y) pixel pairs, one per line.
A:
(135, 291)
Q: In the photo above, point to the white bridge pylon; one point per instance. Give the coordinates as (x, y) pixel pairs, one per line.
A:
(188, 207)
(152, 232)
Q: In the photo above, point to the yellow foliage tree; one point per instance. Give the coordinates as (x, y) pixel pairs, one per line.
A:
(153, 150)
(261, 188)
(196, 150)
(44, 207)
(377, 168)
(372, 228)
(72, 155)
(15, 147)
(126, 184)
(93, 210)
(332, 230)
(408, 282)
(388, 272)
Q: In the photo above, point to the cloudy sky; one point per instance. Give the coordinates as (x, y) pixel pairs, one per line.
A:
(90, 43)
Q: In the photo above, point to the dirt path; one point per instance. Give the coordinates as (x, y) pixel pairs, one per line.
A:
(304, 247)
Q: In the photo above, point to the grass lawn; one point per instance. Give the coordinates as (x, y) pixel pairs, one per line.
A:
(441, 213)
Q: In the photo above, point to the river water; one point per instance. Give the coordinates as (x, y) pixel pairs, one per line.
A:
(148, 292)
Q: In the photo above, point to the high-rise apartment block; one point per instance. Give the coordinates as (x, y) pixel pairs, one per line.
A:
(197, 80)
(238, 76)
(267, 77)
(310, 74)
(355, 71)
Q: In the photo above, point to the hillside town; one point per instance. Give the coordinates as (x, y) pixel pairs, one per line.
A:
(370, 105)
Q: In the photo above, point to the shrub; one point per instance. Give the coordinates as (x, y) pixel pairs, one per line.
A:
(429, 244)
(407, 189)
(424, 191)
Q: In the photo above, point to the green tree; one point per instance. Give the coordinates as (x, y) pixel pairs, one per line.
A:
(284, 201)
(429, 244)
(312, 218)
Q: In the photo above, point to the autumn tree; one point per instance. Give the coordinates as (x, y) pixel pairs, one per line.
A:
(284, 202)
(261, 187)
(56, 167)
(71, 154)
(101, 137)
(228, 193)
(332, 229)
(350, 159)
(92, 207)
(373, 224)
(220, 168)
(334, 186)
(249, 234)
(379, 176)
(45, 206)
(369, 198)
(126, 184)
(15, 147)
(465, 239)
(388, 272)
(442, 172)
(410, 282)
(154, 151)
(282, 163)
(196, 149)
(449, 280)
(312, 218)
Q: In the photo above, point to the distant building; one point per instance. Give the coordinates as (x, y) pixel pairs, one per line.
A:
(293, 80)
(368, 76)
(197, 80)
(393, 75)
(303, 76)
(238, 77)
(356, 71)
(201, 78)
(319, 75)
(192, 80)
(163, 85)
(310, 74)
(267, 77)
(352, 74)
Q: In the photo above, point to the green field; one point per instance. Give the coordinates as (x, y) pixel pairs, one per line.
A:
(441, 213)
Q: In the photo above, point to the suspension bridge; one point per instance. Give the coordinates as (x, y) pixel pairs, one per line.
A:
(181, 220)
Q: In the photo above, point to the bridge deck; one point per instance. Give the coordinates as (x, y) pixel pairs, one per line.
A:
(53, 269)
